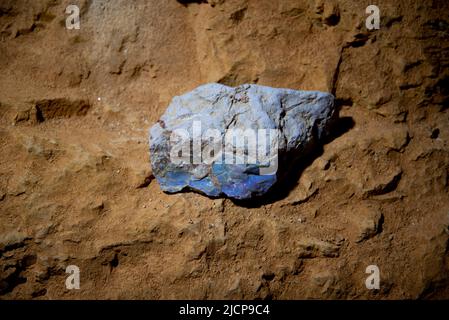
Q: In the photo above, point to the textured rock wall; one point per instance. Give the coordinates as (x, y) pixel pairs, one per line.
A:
(76, 188)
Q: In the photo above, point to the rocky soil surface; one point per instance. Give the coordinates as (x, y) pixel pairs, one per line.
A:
(76, 187)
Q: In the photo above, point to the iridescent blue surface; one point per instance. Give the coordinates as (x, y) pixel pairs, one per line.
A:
(230, 180)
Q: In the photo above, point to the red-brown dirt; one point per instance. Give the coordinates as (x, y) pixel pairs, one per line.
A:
(76, 187)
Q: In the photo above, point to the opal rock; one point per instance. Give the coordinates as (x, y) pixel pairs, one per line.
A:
(235, 142)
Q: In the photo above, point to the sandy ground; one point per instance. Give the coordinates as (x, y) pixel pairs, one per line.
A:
(76, 187)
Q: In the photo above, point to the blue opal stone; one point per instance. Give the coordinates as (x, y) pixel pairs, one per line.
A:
(248, 128)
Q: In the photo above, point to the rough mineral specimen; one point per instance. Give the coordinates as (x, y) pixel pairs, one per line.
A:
(224, 141)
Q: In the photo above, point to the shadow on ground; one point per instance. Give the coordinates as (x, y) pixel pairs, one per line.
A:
(289, 177)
